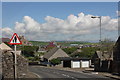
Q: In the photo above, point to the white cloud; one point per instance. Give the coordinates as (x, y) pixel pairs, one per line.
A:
(7, 32)
(75, 25)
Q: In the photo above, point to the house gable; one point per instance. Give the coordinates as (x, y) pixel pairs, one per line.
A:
(58, 53)
(3, 47)
(50, 53)
(116, 51)
(95, 56)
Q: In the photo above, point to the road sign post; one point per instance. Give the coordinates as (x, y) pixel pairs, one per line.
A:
(15, 62)
(15, 41)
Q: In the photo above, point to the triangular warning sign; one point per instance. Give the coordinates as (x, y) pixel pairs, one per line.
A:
(15, 39)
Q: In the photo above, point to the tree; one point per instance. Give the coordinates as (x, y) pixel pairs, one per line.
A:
(86, 52)
(29, 51)
(70, 50)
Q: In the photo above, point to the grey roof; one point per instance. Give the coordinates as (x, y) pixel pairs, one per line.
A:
(60, 52)
(104, 55)
(116, 50)
(3, 46)
(117, 43)
(77, 51)
(71, 58)
(50, 53)
(118, 40)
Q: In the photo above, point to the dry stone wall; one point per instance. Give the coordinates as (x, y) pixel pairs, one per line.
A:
(8, 67)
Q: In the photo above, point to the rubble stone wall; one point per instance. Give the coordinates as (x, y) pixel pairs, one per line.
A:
(8, 67)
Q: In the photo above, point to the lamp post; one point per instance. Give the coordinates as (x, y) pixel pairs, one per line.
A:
(100, 25)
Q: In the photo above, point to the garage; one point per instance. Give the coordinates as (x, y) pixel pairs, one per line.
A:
(75, 64)
(67, 63)
(84, 64)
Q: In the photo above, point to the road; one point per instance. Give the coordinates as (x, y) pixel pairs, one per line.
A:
(49, 73)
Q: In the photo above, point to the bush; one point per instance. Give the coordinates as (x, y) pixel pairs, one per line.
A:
(70, 50)
(31, 58)
(55, 61)
(87, 52)
(29, 51)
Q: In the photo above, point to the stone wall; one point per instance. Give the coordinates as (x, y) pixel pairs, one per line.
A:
(8, 65)
(116, 57)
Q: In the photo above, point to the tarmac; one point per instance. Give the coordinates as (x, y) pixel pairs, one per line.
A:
(91, 71)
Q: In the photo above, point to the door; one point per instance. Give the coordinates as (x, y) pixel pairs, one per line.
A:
(76, 64)
(85, 64)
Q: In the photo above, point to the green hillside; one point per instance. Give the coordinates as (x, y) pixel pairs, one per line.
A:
(39, 43)
(63, 43)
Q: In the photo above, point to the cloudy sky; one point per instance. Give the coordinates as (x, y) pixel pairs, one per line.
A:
(60, 21)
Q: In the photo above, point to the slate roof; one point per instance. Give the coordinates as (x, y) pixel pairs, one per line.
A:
(71, 58)
(53, 51)
(116, 50)
(104, 55)
(50, 53)
(3, 46)
(76, 52)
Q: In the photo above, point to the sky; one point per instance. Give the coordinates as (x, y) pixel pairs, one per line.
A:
(60, 20)
(60, 0)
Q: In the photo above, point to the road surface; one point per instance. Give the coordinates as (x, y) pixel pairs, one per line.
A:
(56, 74)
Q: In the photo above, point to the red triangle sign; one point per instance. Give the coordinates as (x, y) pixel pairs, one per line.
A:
(15, 40)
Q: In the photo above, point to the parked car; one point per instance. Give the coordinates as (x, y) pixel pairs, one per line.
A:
(46, 64)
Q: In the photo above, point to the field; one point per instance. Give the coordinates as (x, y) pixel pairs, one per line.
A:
(63, 43)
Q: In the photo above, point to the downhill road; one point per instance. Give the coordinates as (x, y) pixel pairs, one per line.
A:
(50, 74)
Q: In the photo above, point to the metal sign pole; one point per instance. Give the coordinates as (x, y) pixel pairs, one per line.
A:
(15, 62)
(15, 41)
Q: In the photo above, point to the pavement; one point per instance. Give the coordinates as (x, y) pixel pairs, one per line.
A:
(64, 73)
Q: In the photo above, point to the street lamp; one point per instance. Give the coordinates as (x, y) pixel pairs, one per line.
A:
(100, 25)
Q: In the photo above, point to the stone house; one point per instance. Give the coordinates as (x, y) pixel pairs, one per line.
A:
(116, 57)
(103, 61)
(76, 52)
(51, 45)
(24, 41)
(5, 47)
(54, 53)
(42, 50)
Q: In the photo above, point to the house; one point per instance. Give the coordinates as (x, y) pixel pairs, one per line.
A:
(5, 47)
(42, 50)
(75, 62)
(51, 45)
(54, 53)
(116, 57)
(102, 61)
(24, 41)
(76, 52)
